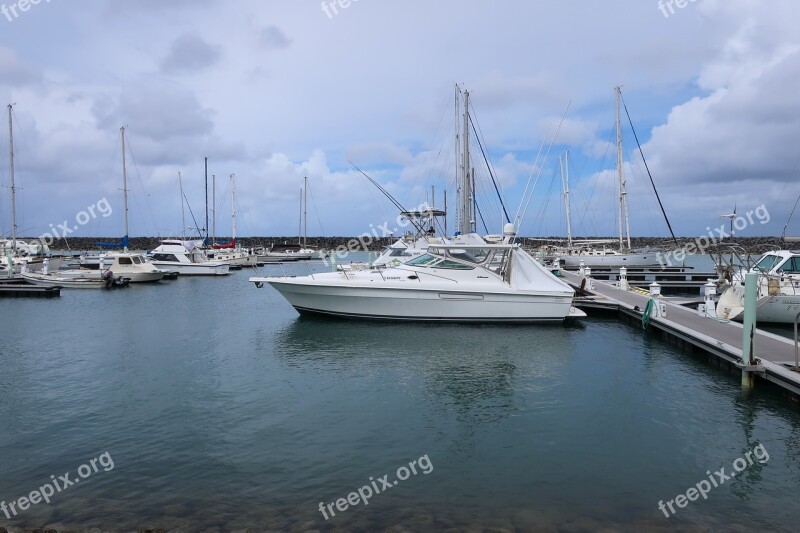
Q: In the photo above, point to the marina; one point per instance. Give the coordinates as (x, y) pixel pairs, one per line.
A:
(368, 267)
(317, 406)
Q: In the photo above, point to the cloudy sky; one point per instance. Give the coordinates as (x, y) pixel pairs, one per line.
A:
(276, 90)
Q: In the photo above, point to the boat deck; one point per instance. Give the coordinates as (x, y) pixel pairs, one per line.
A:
(723, 339)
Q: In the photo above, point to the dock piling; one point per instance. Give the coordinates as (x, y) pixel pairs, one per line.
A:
(749, 327)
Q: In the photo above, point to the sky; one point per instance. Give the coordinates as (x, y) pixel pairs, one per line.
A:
(273, 91)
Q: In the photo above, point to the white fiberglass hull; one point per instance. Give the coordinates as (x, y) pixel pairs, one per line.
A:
(290, 256)
(406, 303)
(610, 261)
(194, 269)
(782, 309)
(133, 276)
(52, 280)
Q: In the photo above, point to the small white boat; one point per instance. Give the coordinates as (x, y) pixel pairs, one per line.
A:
(73, 279)
(134, 267)
(187, 259)
(449, 283)
(289, 252)
(778, 290)
(599, 257)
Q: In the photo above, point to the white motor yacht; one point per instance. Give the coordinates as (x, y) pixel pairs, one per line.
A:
(449, 283)
(186, 258)
(778, 289)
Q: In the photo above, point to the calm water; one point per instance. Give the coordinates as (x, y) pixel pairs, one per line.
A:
(223, 410)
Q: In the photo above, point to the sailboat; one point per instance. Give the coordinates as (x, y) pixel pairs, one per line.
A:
(134, 267)
(299, 251)
(598, 252)
(184, 256)
(14, 252)
(230, 252)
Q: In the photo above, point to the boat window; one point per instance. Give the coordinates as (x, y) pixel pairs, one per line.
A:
(398, 252)
(124, 260)
(767, 263)
(137, 260)
(471, 255)
(164, 257)
(423, 260)
(792, 266)
(455, 265)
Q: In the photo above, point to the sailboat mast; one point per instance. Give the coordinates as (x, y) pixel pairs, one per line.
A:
(213, 209)
(457, 144)
(233, 208)
(623, 192)
(124, 188)
(300, 221)
(305, 212)
(11, 174)
(467, 207)
(206, 174)
(565, 185)
(183, 208)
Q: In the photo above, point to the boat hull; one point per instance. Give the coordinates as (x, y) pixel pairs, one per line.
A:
(193, 269)
(597, 261)
(46, 280)
(434, 305)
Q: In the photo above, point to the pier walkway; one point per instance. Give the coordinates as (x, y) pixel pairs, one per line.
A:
(775, 355)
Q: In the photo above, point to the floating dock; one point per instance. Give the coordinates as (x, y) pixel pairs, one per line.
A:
(14, 288)
(685, 328)
(670, 278)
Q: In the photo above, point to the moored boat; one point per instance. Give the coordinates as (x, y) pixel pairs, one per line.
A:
(449, 283)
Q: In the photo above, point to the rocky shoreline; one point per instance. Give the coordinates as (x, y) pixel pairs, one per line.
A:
(749, 244)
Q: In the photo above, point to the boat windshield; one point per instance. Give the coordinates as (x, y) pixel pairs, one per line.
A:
(791, 266)
(475, 256)
(428, 260)
(767, 262)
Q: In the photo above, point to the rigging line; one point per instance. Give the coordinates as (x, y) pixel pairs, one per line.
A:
(427, 152)
(196, 225)
(491, 174)
(783, 235)
(139, 175)
(533, 169)
(541, 171)
(594, 186)
(319, 220)
(663, 212)
(389, 196)
(480, 214)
